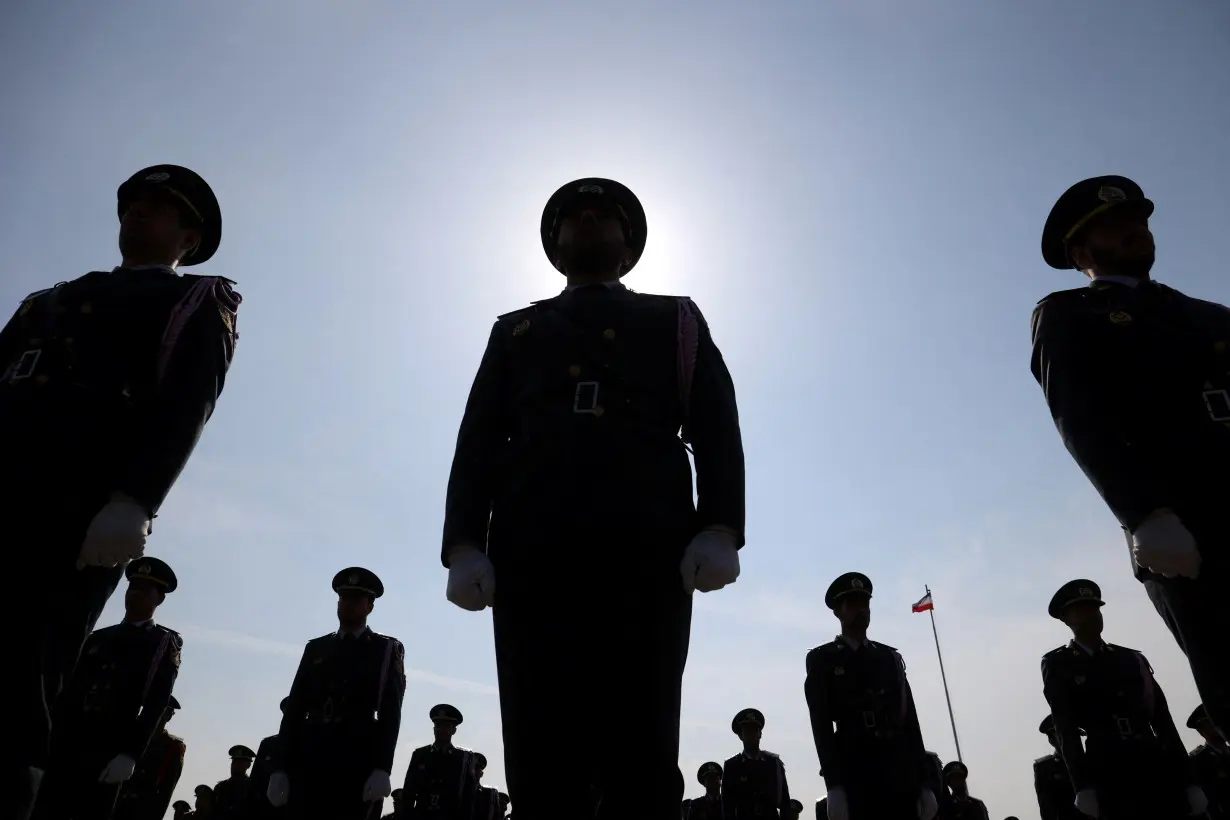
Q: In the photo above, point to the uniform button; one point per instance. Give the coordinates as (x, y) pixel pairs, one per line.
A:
(86, 308)
(575, 370)
(598, 411)
(608, 334)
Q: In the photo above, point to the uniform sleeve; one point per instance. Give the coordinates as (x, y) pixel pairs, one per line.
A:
(1163, 725)
(730, 788)
(412, 787)
(10, 350)
(815, 691)
(481, 440)
(389, 719)
(157, 698)
(1043, 788)
(912, 729)
(291, 728)
(783, 797)
(1095, 402)
(167, 779)
(1056, 691)
(193, 364)
(717, 441)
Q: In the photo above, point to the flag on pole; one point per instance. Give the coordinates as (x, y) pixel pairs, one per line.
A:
(924, 604)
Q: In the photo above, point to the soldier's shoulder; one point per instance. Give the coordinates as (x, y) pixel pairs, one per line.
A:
(1199, 751)
(732, 759)
(422, 749)
(892, 649)
(1057, 652)
(31, 297)
(166, 630)
(1116, 647)
(771, 755)
(823, 649)
(219, 288)
(514, 317)
(380, 636)
(315, 642)
(1045, 760)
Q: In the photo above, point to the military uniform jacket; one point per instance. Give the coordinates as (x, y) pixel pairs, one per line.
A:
(1137, 381)
(575, 418)
(1113, 696)
(1211, 771)
(754, 786)
(345, 701)
(1054, 789)
(147, 794)
(863, 718)
(121, 687)
(487, 804)
(440, 783)
(705, 808)
(112, 377)
(268, 757)
(230, 797)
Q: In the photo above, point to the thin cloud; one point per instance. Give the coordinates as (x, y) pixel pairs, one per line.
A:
(241, 642)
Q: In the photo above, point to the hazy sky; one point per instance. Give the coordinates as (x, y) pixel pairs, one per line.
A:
(853, 192)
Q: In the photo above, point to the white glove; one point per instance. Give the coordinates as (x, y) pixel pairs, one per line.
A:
(471, 579)
(1163, 545)
(1196, 799)
(1086, 803)
(278, 790)
(710, 562)
(927, 807)
(838, 808)
(118, 770)
(117, 534)
(377, 786)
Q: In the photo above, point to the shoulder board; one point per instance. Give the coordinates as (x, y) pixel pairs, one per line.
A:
(1045, 759)
(1070, 295)
(826, 647)
(884, 646)
(322, 638)
(426, 748)
(105, 629)
(176, 739)
(773, 755)
(730, 760)
(39, 293)
(162, 628)
(463, 749)
(193, 277)
(1056, 652)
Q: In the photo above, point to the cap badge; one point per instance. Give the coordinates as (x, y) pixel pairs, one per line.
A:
(354, 578)
(590, 189)
(143, 569)
(856, 583)
(1088, 593)
(1109, 193)
(158, 176)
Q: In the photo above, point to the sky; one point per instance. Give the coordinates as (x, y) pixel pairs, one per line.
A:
(853, 192)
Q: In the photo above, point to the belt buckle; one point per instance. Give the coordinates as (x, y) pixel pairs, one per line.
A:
(1125, 727)
(585, 399)
(869, 720)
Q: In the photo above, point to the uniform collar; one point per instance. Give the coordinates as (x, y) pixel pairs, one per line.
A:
(341, 633)
(164, 268)
(850, 642)
(607, 285)
(1129, 281)
(140, 624)
(1089, 650)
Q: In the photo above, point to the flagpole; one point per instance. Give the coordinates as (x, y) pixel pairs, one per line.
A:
(944, 678)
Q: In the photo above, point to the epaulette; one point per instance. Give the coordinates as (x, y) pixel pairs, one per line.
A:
(177, 739)
(525, 311)
(1044, 759)
(199, 276)
(1056, 652)
(162, 628)
(39, 293)
(773, 755)
(884, 646)
(322, 638)
(1069, 295)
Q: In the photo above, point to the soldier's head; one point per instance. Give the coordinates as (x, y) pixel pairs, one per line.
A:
(396, 795)
(445, 719)
(1079, 605)
(168, 216)
(504, 800)
(204, 798)
(1203, 724)
(241, 760)
(593, 230)
(710, 776)
(480, 765)
(955, 776)
(1101, 226)
(849, 596)
(169, 712)
(357, 590)
(149, 582)
(181, 809)
(748, 724)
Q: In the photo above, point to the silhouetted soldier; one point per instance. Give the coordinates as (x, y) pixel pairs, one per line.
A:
(1211, 764)
(148, 793)
(1053, 787)
(753, 781)
(709, 805)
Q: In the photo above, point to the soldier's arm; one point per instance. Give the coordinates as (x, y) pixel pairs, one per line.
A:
(157, 699)
(1056, 691)
(411, 788)
(1043, 785)
(169, 779)
(291, 728)
(717, 442)
(10, 342)
(913, 731)
(389, 719)
(1163, 725)
(480, 441)
(783, 804)
(192, 372)
(1096, 403)
(815, 691)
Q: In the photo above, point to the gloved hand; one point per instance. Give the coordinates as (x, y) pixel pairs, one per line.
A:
(278, 790)
(118, 770)
(471, 579)
(838, 808)
(377, 787)
(1086, 803)
(116, 534)
(1196, 800)
(1163, 545)
(927, 807)
(710, 562)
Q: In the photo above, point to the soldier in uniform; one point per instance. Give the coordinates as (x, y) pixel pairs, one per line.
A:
(1137, 378)
(753, 781)
(441, 781)
(874, 764)
(341, 719)
(709, 805)
(205, 804)
(182, 810)
(795, 809)
(961, 805)
(231, 795)
(147, 794)
(268, 756)
(1210, 763)
(1056, 800)
(570, 465)
(396, 797)
(109, 379)
(487, 799)
(504, 801)
(114, 703)
(822, 808)
(1133, 765)
(935, 782)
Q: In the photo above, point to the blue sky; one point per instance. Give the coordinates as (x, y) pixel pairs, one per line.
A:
(852, 191)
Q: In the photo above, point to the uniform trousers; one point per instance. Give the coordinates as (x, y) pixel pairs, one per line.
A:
(881, 801)
(597, 642)
(70, 789)
(44, 523)
(1197, 613)
(327, 777)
